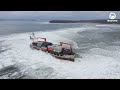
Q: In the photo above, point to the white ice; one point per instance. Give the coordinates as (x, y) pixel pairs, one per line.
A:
(96, 63)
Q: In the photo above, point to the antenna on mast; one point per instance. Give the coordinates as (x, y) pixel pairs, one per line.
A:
(33, 36)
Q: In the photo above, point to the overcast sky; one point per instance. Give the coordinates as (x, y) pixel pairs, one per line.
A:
(48, 15)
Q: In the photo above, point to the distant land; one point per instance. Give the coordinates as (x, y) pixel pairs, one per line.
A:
(103, 21)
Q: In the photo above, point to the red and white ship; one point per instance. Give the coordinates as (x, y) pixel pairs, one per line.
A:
(57, 51)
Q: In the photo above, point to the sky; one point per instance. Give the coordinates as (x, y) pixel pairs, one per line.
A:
(50, 15)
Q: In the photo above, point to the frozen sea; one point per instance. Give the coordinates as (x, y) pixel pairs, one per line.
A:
(98, 47)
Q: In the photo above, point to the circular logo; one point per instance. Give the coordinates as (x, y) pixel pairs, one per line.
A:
(112, 15)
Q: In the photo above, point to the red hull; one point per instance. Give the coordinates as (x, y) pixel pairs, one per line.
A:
(65, 59)
(68, 59)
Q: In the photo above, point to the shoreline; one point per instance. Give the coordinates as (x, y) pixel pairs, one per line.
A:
(103, 21)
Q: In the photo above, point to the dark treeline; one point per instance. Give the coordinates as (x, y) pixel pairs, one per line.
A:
(84, 21)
